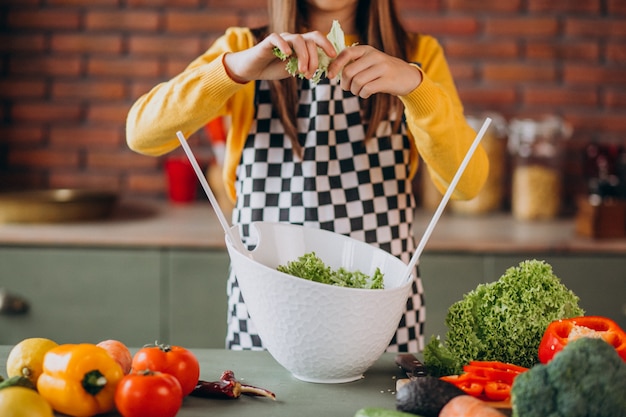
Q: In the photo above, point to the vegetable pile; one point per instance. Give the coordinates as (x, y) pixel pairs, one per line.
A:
(503, 320)
(335, 36)
(309, 266)
(84, 380)
(587, 378)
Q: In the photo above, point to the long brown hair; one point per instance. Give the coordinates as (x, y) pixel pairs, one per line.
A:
(377, 25)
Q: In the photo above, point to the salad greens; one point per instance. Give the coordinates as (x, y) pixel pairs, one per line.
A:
(502, 320)
(335, 36)
(310, 266)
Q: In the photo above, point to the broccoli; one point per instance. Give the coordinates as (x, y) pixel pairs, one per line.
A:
(335, 36)
(502, 320)
(586, 379)
(310, 266)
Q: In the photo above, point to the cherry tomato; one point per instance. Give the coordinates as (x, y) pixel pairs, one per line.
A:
(148, 394)
(173, 360)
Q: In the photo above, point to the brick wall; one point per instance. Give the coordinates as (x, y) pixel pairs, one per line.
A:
(70, 69)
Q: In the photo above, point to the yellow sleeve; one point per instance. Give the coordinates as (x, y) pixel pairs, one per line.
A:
(191, 99)
(435, 119)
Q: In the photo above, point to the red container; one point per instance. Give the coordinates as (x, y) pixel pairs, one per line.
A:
(182, 184)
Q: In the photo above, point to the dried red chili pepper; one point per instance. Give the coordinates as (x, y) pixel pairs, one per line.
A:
(561, 332)
(228, 387)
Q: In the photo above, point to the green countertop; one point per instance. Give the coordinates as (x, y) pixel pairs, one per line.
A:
(148, 223)
(293, 397)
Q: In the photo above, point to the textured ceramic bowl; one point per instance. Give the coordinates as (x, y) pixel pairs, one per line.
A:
(319, 332)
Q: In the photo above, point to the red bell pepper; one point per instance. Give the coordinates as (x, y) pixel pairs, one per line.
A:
(487, 380)
(560, 332)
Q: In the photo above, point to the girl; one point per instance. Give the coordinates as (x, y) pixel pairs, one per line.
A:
(339, 155)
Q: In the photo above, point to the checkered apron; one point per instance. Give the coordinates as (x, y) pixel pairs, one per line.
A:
(343, 184)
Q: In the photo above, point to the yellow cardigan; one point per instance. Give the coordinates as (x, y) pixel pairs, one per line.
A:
(204, 91)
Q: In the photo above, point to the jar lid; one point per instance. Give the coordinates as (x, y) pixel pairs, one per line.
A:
(540, 137)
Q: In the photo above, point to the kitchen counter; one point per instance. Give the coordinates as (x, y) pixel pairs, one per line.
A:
(293, 397)
(154, 224)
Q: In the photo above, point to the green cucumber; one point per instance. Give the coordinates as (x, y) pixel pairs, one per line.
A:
(381, 412)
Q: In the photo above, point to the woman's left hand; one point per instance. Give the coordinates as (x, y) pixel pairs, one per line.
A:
(365, 71)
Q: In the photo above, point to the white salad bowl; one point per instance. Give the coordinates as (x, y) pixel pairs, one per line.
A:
(319, 332)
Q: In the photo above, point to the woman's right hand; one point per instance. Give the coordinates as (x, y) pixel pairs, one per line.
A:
(260, 63)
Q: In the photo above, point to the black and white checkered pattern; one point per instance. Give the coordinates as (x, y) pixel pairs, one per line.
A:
(343, 184)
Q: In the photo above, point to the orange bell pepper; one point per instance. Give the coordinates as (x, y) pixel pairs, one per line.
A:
(560, 332)
(79, 379)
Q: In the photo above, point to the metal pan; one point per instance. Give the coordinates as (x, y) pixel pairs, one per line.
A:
(55, 205)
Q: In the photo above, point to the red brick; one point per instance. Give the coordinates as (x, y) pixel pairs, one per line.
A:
(163, 3)
(21, 2)
(518, 72)
(83, 3)
(489, 48)
(489, 97)
(142, 20)
(560, 96)
(254, 20)
(194, 22)
(127, 66)
(139, 88)
(175, 66)
(85, 180)
(115, 161)
(146, 183)
(593, 74)
(87, 43)
(108, 113)
(484, 6)
(44, 158)
(531, 27)
(82, 90)
(21, 89)
(616, 52)
(46, 112)
(596, 122)
(422, 6)
(462, 71)
(43, 19)
(22, 134)
(243, 5)
(616, 7)
(165, 46)
(87, 136)
(598, 28)
(42, 65)
(565, 6)
(614, 99)
(440, 26)
(551, 50)
(22, 43)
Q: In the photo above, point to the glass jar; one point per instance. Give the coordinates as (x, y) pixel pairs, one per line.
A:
(536, 147)
(491, 196)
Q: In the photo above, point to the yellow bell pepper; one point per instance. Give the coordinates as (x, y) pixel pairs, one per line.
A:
(79, 379)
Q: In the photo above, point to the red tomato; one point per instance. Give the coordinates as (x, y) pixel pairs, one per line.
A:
(118, 351)
(148, 394)
(173, 360)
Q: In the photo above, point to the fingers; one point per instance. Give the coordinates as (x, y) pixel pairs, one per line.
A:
(305, 47)
(366, 71)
